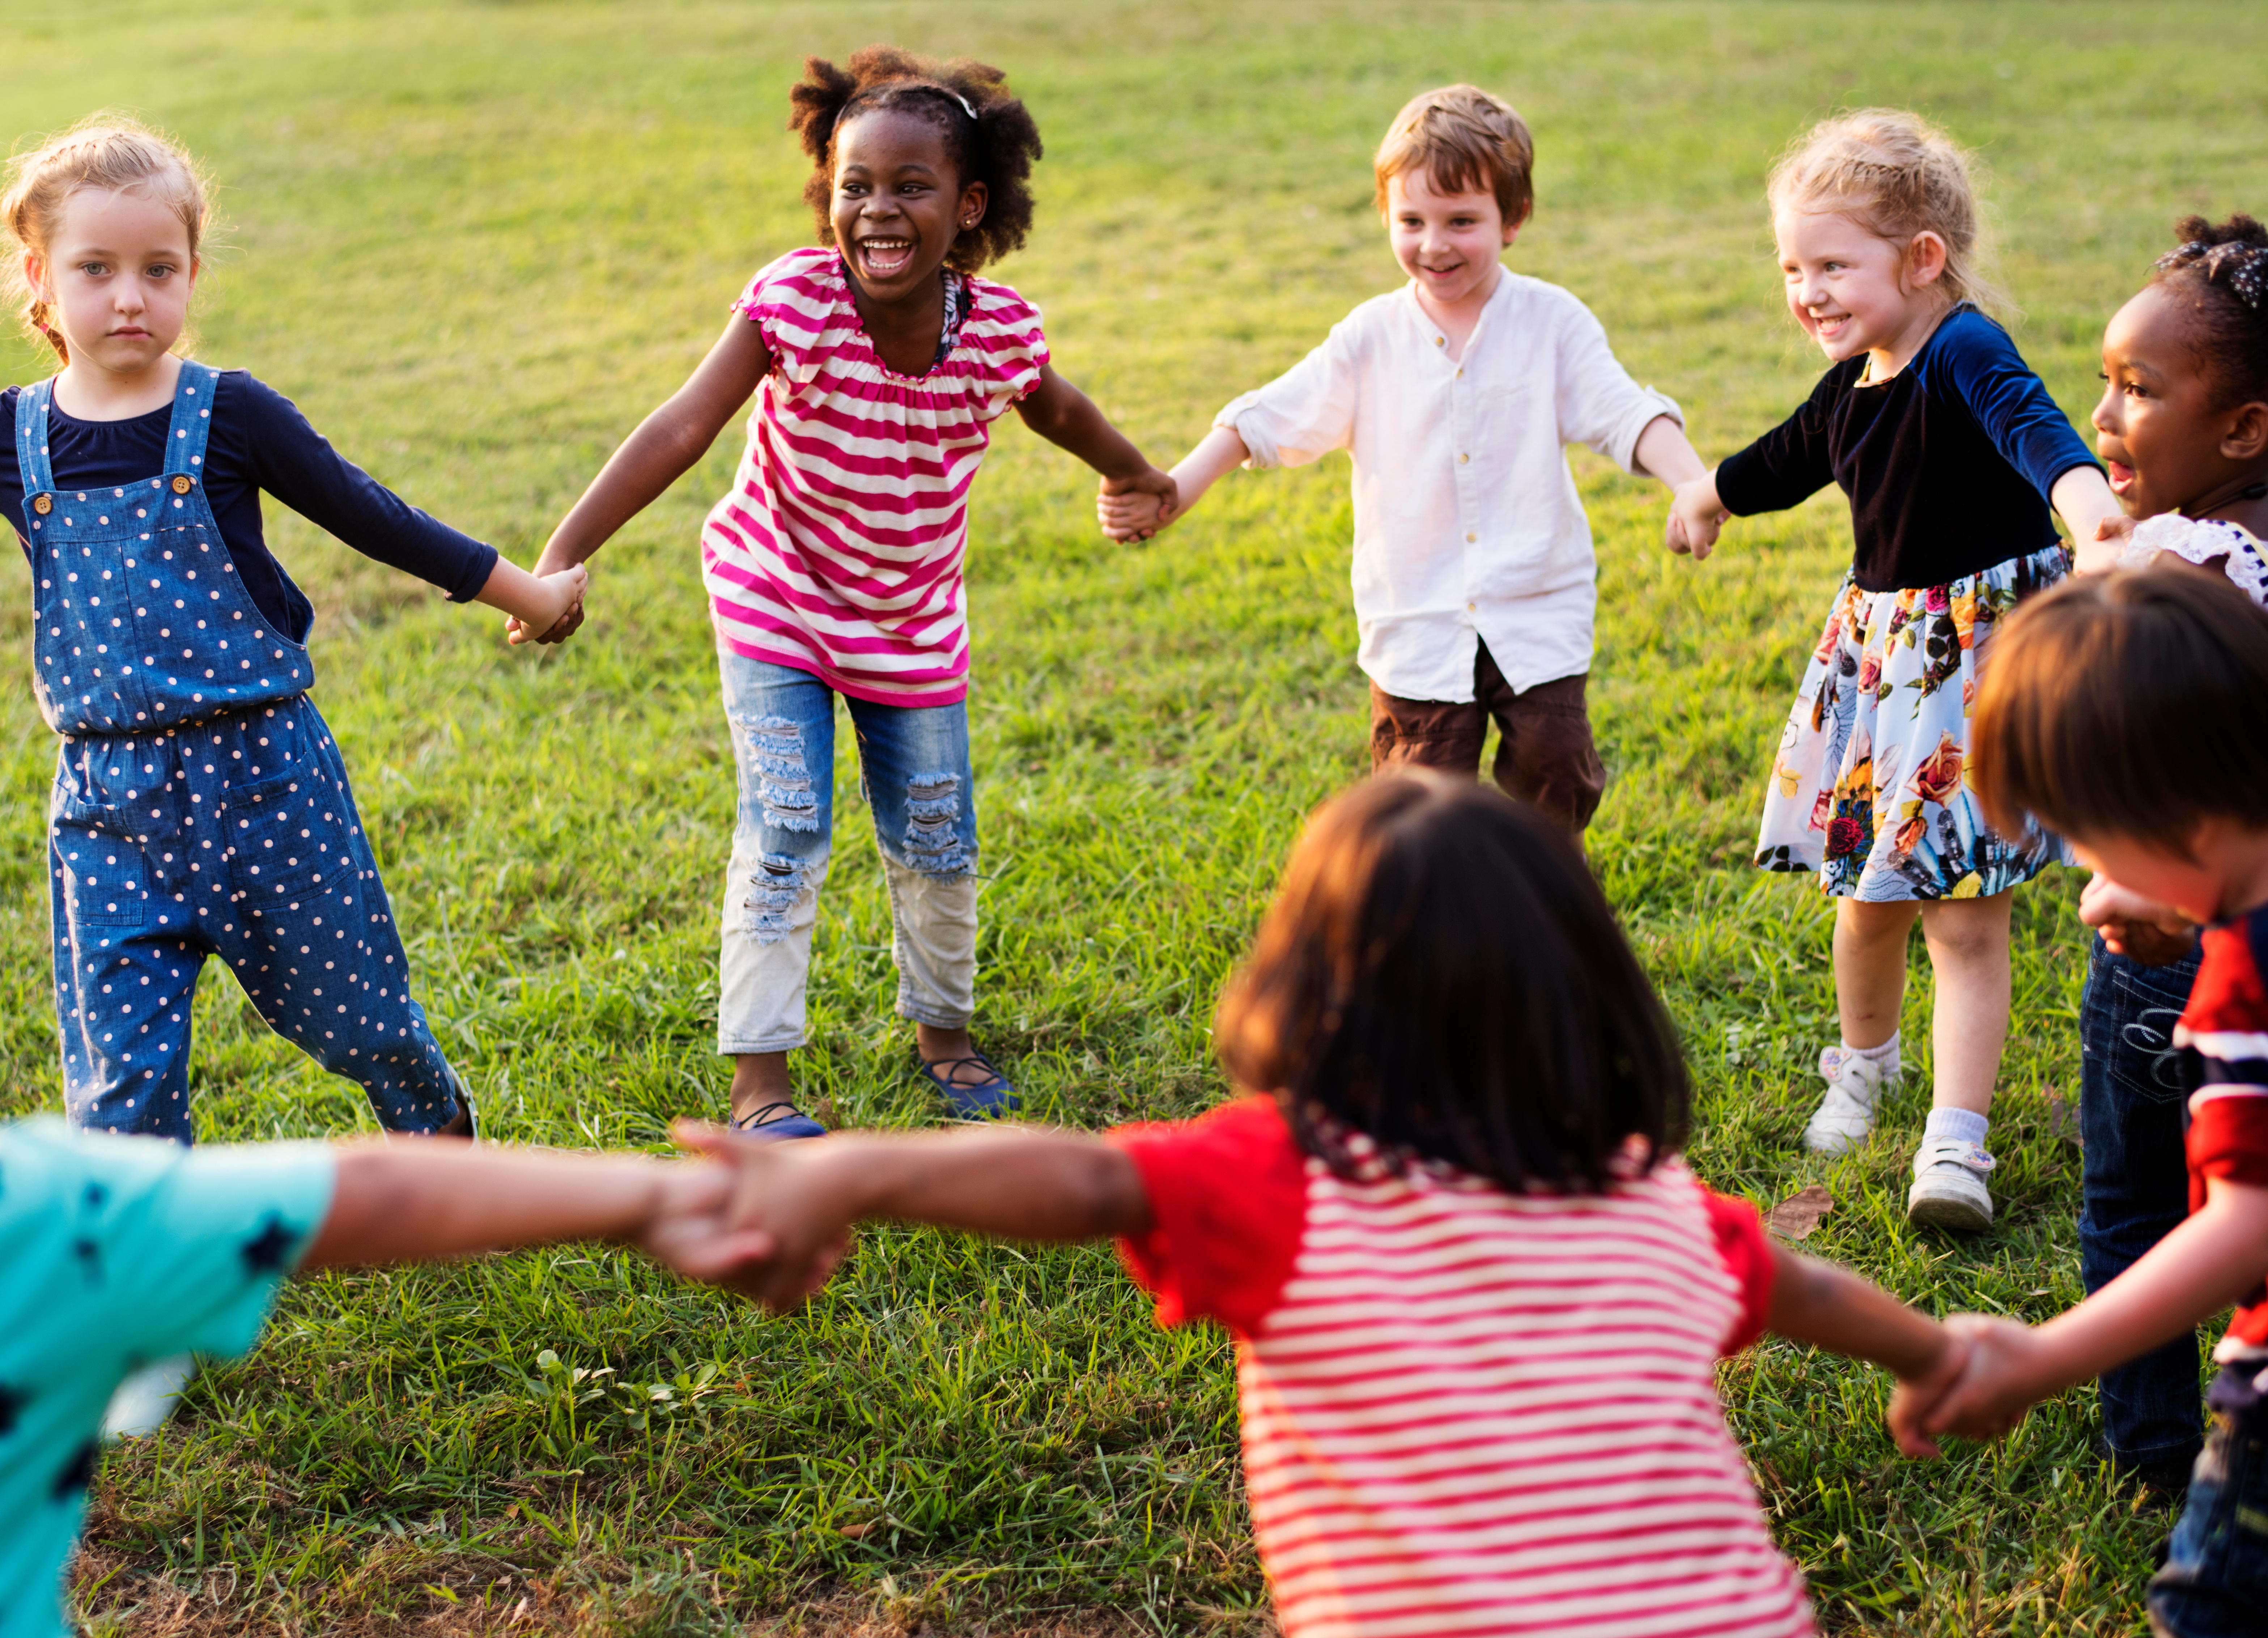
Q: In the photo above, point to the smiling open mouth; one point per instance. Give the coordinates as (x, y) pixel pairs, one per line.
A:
(885, 258)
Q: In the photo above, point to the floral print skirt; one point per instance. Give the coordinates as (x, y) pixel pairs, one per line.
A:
(1870, 787)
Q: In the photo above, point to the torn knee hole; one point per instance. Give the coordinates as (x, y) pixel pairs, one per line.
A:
(774, 886)
(932, 840)
(783, 780)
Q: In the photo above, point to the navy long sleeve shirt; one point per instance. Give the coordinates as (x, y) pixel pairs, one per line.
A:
(259, 440)
(1949, 464)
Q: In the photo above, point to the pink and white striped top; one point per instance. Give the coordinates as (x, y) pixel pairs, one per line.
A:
(838, 549)
(1467, 1412)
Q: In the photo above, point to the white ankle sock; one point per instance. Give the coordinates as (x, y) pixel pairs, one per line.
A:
(1962, 1126)
(1884, 1057)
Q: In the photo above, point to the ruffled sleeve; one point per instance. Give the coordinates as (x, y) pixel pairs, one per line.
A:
(2201, 541)
(789, 302)
(1005, 344)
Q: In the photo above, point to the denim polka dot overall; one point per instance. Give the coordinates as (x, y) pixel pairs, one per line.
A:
(199, 808)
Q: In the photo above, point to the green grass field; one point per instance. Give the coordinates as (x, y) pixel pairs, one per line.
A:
(477, 244)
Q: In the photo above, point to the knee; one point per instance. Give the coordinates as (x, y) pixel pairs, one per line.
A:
(786, 798)
(771, 891)
(936, 842)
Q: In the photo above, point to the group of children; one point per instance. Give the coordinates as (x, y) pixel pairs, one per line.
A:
(1477, 1295)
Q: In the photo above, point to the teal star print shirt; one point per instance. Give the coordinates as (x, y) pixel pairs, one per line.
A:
(115, 1252)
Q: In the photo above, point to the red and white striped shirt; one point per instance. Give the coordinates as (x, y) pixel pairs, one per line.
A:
(838, 549)
(1467, 1411)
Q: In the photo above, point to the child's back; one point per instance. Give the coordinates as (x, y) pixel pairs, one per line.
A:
(1466, 1410)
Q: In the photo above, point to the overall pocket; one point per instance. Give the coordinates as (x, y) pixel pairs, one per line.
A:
(101, 874)
(280, 849)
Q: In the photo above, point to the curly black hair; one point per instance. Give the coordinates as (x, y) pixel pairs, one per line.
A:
(996, 148)
(2221, 273)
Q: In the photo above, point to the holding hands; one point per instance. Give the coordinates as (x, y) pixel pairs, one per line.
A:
(1696, 517)
(1135, 508)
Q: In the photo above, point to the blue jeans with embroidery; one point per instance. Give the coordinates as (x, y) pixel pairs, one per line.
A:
(2134, 1084)
(914, 772)
(2214, 1583)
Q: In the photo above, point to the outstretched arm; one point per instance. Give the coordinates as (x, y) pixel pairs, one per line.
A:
(409, 1201)
(1818, 1302)
(1138, 517)
(1020, 1184)
(2099, 527)
(662, 450)
(1068, 418)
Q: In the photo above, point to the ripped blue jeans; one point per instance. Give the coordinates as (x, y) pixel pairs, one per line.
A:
(914, 770)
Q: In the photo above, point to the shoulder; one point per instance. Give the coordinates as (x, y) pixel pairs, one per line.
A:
(1967, 336)
(808, 281)
(992, 303)
(2231, 991)
(1540, 299)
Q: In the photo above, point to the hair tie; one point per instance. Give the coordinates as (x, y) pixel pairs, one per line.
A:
(887, 87)
(2245, 264)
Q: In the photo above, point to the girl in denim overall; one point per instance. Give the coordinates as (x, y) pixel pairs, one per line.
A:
(199, 805)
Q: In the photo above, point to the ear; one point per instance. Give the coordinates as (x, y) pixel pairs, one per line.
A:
(970, 211)
(35, 274)
(1925, 258)
(2244, 435)
(1512, 228)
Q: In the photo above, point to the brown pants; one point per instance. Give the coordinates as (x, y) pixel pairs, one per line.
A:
(1546, 757)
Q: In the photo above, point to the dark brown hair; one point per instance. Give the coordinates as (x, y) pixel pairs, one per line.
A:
(2223, 291)
(2126, 705)
(988, 133)
(1441, 973)
(1465, 141)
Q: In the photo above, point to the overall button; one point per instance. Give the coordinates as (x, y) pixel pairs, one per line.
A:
(180, 484)
(43, 504)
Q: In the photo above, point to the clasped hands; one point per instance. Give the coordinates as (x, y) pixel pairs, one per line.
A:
(1136, 508)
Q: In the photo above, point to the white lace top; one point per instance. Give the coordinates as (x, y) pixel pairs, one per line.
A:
(2200, 542)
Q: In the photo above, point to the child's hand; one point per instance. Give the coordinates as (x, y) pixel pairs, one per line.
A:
(790, 1197)
(2139, 928)
(1150, 500)
(1695, 518)
(1915, 1397)
(552, 610)
(2105, 545)
(1997, 1385)
(691, 1229)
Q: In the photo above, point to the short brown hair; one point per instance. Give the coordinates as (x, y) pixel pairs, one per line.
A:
(1466, 141)
(2127, 705)
(1441, 973)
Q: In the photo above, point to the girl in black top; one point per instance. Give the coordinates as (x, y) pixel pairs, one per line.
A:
(1951, 452)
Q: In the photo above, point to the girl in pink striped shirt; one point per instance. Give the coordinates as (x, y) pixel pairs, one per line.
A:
(879, 363)
(1478, 1300)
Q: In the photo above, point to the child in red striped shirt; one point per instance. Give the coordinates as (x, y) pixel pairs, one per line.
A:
(1478, 1299)
(878, 362)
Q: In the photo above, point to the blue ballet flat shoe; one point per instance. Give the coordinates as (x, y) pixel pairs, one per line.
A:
(779, 1123)
(986, 1100)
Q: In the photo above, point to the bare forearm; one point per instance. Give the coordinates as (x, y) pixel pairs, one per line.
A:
(2082, 498)
(1664, 452)
(1069, 420)
(1818, 1302)
(1218, 454)
(406, 1201)
(662, 450)
(1018, 1184)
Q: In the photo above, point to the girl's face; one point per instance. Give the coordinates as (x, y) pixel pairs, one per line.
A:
(2159, 428)
(1855, 291)
(1447, 243)
(118, 270)
(899, 202)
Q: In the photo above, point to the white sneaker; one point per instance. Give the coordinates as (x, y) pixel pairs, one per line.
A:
(1846, 1115)
(1948, 1189)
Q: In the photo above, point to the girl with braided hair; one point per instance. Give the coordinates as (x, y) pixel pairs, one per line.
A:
(878, 359)
(1952, 453)
(2183, 426)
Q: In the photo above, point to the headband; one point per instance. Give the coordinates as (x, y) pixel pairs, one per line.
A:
(962, 102)
(2246, 264)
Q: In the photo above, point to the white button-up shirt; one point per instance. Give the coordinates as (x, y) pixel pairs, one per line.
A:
(1467, 525)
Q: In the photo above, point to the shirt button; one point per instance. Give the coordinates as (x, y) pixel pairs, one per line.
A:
(1462, 459)
(1470, 535)
(1440, 341)
(1461, 375)
(1471, 607)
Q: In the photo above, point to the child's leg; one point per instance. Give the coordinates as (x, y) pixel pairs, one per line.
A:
(305, 925)
(123, 1015)
(2214, 1583)
(1447, 734)
(783, 723)
(1870, 983)
(1546, 756)
(915, 766)
(1968, 941)
(2133, 1190)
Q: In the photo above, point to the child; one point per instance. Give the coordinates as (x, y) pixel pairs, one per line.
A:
(2157, 772)
(2184, 427)
(120, 1250)
(200, 807)
(833, 565)
(1474, 581)
(1477, 1298)
(1946, 444)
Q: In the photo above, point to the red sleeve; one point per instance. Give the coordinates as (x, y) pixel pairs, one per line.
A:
(1748, 1256)
(1228, 1202)
(2228, 1139)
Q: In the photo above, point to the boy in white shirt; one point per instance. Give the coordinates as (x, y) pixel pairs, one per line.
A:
(1474, 580)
